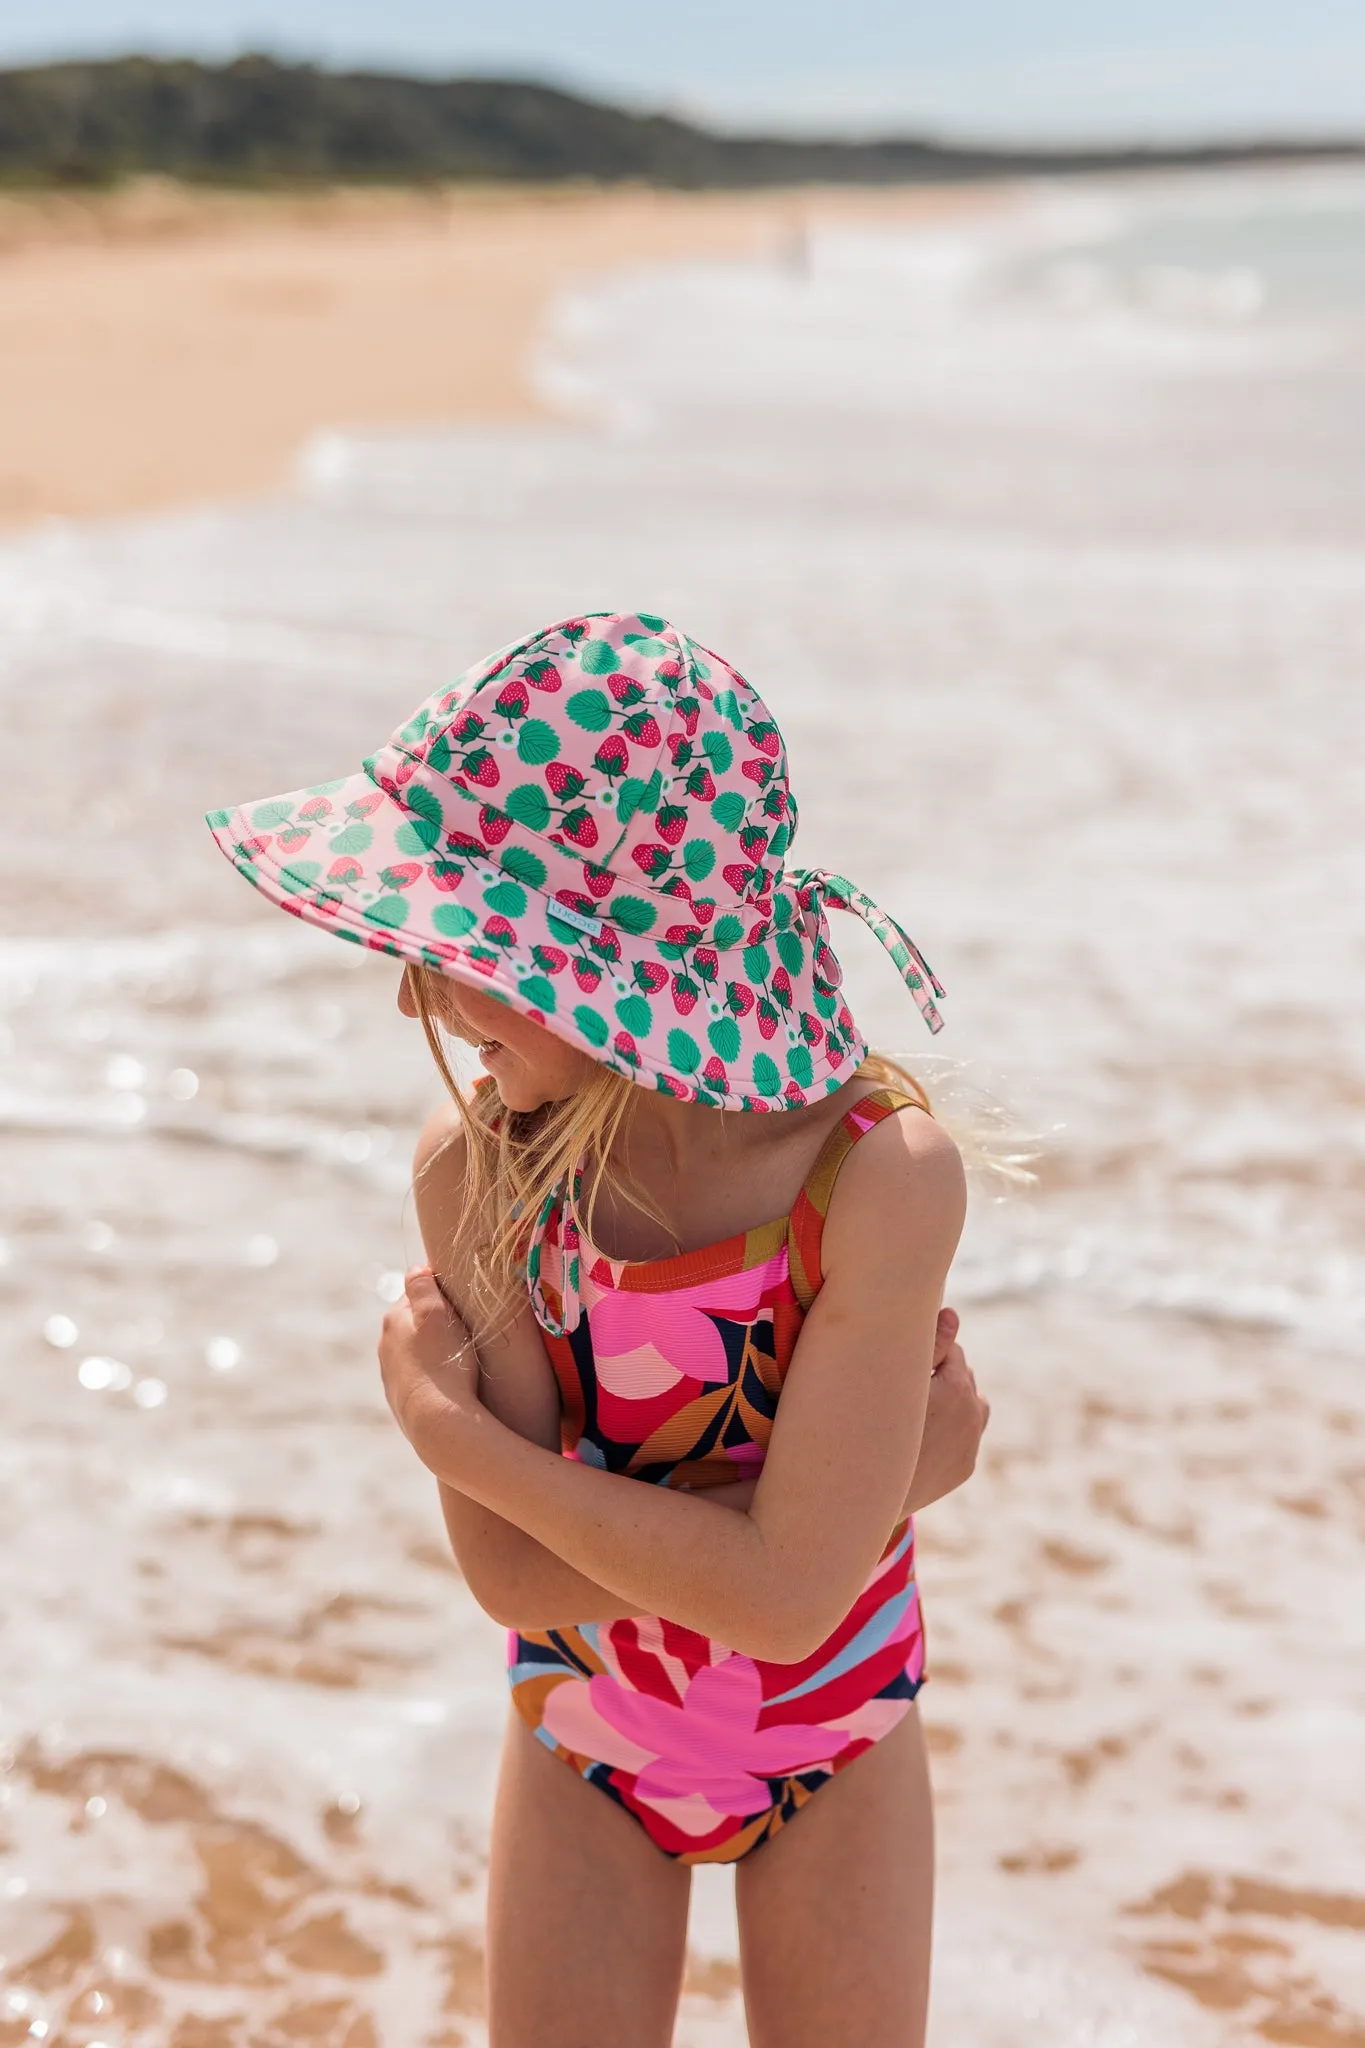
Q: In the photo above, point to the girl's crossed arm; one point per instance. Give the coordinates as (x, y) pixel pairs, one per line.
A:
(771, 1581)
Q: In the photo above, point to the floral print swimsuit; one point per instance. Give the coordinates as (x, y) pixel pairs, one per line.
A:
(673, 1374)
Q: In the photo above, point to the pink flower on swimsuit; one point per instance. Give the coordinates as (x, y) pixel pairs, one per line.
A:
(673, 1371)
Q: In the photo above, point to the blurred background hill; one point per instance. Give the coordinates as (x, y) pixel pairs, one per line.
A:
(256, 120)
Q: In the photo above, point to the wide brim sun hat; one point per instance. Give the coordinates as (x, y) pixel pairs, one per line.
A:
(593, 825)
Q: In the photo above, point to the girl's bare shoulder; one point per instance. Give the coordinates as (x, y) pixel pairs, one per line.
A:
(905, 1175)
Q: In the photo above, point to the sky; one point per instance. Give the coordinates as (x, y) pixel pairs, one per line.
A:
(1054, 70)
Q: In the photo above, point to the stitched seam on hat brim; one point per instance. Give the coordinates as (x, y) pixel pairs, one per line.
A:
(265, 876)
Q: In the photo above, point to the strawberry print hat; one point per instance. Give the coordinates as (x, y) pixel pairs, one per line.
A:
(593, 825)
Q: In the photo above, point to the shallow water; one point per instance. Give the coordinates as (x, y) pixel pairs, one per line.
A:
(1045, 538)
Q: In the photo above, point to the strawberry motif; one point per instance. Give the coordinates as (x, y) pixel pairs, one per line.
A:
(680, 747)
(613, 756)
(552, 959)
(316, 807)
(765, 736)
(625, 1048)
(715, 1073)
(670, 822)
(479, 766)
(345, 870)
(652, 859)
(587, 974)
(467, 727)
(292, 838)
(701, 783)
(782, 987)
(706, 963)
(607, 944)
(682, 935)
(689, 711)
(650, 976)
(793, 1094)
(544, 676)
(739, 998)
(643, 729)
(251, 847)
(600, 881)
(499, 930)
(685, 995)
(739, 877)
(401, 875)
(625, 689)
(704, 908)
(669, 671)
(445, 874)
(513, 700)
(757, 769)
(565, 782)
(810, 1028)
(464, 843)
(767, 1017)
(363, 805)
(580, 826)
(495, 825)
(754, 841)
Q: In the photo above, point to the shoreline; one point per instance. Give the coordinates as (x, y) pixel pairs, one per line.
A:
(162, 345)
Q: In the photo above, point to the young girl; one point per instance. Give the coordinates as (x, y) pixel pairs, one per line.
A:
(639, 1273)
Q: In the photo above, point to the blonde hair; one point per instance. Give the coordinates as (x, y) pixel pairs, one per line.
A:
(516, 1159)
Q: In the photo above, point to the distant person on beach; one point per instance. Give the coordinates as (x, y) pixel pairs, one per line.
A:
(640, 1273)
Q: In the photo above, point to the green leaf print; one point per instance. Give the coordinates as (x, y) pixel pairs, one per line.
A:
(217, 819)
(299, 875)
(767, 1080)
(590, 709)
(635, 1015)
(717, 750)
(539, 990)
(327, 788)
(453, 920)
(438, 754)
(506, 898)
(632, 913)
(726, 705)
(593, 1027)
(529, 805)
(644, 644)
(537, 743)
(757, 963)
(728, 809)
(652, 621)
(726, 932)
(724, 1037)
(699, 857)
(524, 867)
(389, 910)
(266, 817)
(596, 658)
(353, 839)
(799, 1066)
(790, 952)
(683, 1051)
(417, 835)
(637, 795)
(422, 802)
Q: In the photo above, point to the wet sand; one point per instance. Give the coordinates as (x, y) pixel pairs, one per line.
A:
(160, 345)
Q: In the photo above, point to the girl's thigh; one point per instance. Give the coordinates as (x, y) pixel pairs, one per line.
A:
(835, 1913)
(587, 1920)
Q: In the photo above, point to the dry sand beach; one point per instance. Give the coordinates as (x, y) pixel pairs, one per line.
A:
(159, 345)
(1071, 487)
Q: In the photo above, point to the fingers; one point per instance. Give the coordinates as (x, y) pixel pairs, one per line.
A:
(945, 1334)
(424, 1296)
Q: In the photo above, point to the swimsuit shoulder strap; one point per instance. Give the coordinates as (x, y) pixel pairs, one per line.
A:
(806, 1225)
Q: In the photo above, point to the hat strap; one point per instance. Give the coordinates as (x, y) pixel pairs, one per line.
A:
(816, 886)
(558, 1216)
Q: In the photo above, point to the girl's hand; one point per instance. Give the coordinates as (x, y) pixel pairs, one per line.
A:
(954, 1421)
(429, 1365)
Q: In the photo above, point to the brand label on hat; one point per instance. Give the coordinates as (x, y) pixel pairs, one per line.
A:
(577, 918)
